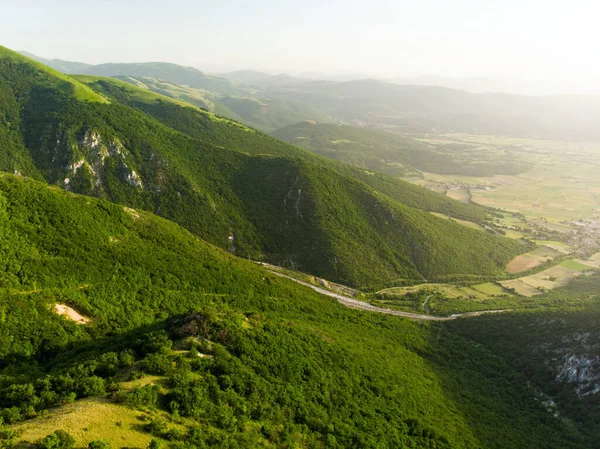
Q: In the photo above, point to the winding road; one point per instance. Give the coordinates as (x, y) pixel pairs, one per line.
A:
(361, 305)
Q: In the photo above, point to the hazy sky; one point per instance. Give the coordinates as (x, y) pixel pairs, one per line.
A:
(549, 40)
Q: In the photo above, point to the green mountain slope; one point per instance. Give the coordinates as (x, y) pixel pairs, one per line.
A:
(392, 153)
(233, 186)
(207, 127)
(240, 101)
(173, 73)
(268, 114)
(264, 114)
(283, 366)
(60, 65)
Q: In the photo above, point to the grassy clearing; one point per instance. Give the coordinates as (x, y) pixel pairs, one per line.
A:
(552, 226)
(56, 79)
(561, 247)
(451, 291)
(459, 195)
(447, 290)
(88, 420)
(544, 253)
(491, 288)
(522, 263)
(469, 224)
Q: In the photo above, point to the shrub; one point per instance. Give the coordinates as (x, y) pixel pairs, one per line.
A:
(99, 444)
(154, 444)
(57, 440)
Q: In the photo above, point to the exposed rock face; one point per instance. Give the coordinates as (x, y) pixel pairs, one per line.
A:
(575, 361)
(91, 153)
(580, 369)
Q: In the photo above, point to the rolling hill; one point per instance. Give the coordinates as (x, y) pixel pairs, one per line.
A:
(173, 73)
(231, 185)
(254, 78)
(394, 154)
(67, 67)
(264, 114)
(432, 109)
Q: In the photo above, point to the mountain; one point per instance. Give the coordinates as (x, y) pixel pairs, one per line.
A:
(264, 114)
(182, 342)
(429, 109)
(480, 85)
(254, 78)
(186, 76)
(275, 101)
(238, 100)
(59, 65)
(268, 114)
(231, 185)
(394, 154)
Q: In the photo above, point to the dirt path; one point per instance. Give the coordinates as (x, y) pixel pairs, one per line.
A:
(361, 305)
(71, 313)
(426, 308)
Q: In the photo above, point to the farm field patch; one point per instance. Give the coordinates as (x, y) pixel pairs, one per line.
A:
(520, 288)
(561, 185)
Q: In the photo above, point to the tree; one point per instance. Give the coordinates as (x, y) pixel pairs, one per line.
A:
(57, 440)
(154, 444)
(8, 437)
(99, 444)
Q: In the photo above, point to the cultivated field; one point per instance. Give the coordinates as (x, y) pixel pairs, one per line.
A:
(459, 195)
(478, 292)
(532, 259)
(561, 185)
(593, 261)
(520, 288)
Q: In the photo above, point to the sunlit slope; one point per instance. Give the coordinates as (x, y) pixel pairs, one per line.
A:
(233, 186)
(286, 366)
(229, 134)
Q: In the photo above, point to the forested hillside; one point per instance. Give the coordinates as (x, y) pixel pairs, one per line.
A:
(231, 185)
(208, 128)
(281, 366)
(185, 76)
(392, 153)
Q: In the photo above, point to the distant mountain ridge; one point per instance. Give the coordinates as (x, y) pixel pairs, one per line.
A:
(395, 154)
(254, 78)
(412, 109)
(67, 67)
